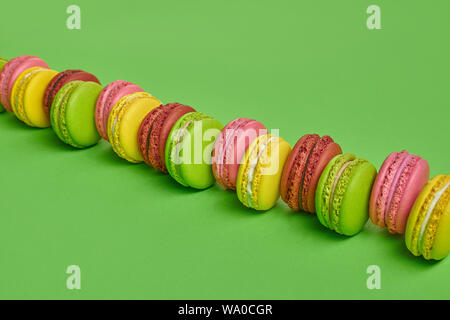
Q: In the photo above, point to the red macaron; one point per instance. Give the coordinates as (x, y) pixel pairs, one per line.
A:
(154, 131)
(303, 168)
(60, 80)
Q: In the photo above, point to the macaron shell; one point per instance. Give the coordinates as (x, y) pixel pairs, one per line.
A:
(200, 175)
(17, 93)
(354, 207)
(437, 201)
(416, 181)
(224, 142)
(270, 162)
(124, 123)
(219, 151)
(400, 180)
(34, 97)
(317, 163)
(416, 215)
(108, 98)
(60, 80)
(441, 245)
(170, 121)
(250, 157)
(383, 182)
(294, 169)
(5, 74)
(59, 103)
(163, 132)
(325, 186)
(145, 133)
(53, 88)
(12, 70)
(173, 139)
(80, 114)
(3, 61)
(249, 132)
(268, 191)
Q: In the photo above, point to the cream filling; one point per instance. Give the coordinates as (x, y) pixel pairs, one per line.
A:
(333, 189)
(436, 198)
(113, 130)
(251, 172)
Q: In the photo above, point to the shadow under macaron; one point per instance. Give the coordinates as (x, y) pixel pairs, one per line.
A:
(45, 138)
(228, 200)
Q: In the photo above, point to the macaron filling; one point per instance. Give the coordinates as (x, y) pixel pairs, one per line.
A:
(436, 198)
(305, 167)
(55, 85)
(17, 100)
(401, 178)
(121, 105)
(251, 173)
(333, 188)
(389, 175)
(296, 174)
(312, 172)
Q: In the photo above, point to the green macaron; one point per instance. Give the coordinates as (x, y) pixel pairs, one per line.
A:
(72, 114)
(343, 194)
(189, 149)
(3, 61)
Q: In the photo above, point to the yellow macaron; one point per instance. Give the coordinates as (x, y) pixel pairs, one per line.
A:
(259, 176)
(124, 121)
(428, 227)
(27, 96)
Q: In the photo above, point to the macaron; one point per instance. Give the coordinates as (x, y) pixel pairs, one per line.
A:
(72, 113)
(27, 96)
(399, 181)
(343, 194)
(124, 122)
(13, 69)
(189, 146)
(3, 61)
(259, 175)
(154, 131)
(109, 96)
(230, 148)
(428, 227)
(303, 169)
(60, 80)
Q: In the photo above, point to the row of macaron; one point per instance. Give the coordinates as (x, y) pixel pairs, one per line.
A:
(314, 176)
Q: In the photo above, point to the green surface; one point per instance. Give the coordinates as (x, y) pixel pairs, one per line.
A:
(300, 66)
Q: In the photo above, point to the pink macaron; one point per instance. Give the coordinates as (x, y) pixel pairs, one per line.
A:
(400, 180)
(11, 71)
(106, 101)
(230, 147)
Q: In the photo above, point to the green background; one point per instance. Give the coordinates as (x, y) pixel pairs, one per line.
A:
(298, 66)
